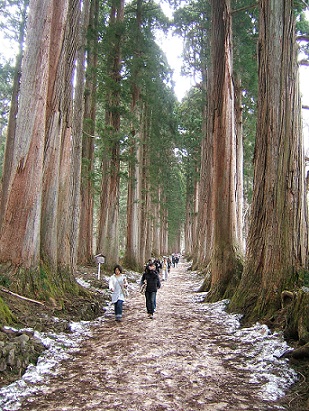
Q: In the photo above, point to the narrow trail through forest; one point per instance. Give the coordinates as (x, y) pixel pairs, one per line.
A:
(184, 359)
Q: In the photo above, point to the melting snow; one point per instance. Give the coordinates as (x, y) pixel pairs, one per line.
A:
(260, 349)
(255, 349)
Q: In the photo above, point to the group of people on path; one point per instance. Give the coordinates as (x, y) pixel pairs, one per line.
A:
(154, 269)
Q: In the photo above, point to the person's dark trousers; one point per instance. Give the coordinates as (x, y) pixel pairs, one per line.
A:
(150, 301)
(118, 309)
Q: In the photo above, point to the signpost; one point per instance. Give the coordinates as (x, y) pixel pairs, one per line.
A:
(100, 259)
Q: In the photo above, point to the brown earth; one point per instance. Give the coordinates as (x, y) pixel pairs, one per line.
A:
(179, 361)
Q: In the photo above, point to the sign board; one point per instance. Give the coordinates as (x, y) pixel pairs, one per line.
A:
(99, 259)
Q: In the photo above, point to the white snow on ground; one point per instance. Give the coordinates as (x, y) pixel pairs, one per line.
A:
(59, 347)
(260, 349)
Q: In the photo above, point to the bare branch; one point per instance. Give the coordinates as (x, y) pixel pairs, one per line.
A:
(302, 38)
(245, 8)
(20, 296)
(303, 62)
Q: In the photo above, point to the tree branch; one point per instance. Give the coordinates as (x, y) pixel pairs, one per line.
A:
(303, 62)
(20, 296)
(245, 8)
(302, 38)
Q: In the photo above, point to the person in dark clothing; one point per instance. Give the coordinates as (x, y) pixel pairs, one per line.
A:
(169, 263)
(158, 265)
(152, 279)
(176, 260)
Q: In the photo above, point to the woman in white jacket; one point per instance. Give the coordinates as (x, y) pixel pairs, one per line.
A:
(118, 284)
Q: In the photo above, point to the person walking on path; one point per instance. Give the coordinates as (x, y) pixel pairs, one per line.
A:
(164, 269)
(151, 277)
(118, 284)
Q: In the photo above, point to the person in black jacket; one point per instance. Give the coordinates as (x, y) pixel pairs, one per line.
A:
(152, 279)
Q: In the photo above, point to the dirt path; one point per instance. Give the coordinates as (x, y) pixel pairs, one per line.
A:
(179, 361)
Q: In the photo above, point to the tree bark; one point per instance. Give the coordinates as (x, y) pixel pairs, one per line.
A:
(145, 245)
(239, 191)
(108, 242)
(10, 139)
(221, 127)
(55, 123)
(191, 223)
(66, 251)
(133, 228)
(20, 227)
(77, 129)
(85, 254)
(277, 246)
(203, 226)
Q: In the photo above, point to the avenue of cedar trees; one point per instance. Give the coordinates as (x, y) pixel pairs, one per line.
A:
(98, 155)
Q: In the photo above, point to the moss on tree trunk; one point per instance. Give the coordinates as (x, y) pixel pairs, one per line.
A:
(40, 283)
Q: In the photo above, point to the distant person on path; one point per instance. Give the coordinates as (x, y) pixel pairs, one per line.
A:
(118, 284)
(176, 260)
(169, 263)
(164, 269)
(152, 279)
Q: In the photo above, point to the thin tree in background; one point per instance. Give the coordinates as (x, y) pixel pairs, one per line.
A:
(245, 32)
(108, 235)
(144, 191)
(77, 130)
(277, 246)
(85, 253)
(193, 23)
(239, 191)
(132, 252)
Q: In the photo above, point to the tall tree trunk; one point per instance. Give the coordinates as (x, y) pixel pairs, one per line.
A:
(109, 213)
(133, 206)
(222, 128)
(133, 232)
(277, 243)
(204, 226)
(10, 139)
(239, 192)
(77, 129)
(164, 226)
(66, 250)
(189, 218)
(56, 115)
(85, 253)
(155, 220)
(144, 191)
(191, 224)
(20, 228)
(204, 232)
